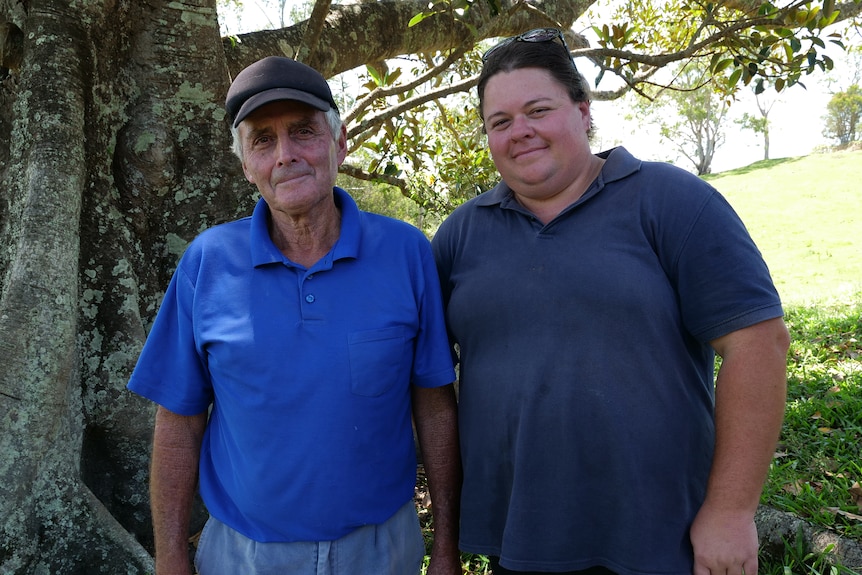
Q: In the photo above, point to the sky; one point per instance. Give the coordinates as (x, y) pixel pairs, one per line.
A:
(796, 117)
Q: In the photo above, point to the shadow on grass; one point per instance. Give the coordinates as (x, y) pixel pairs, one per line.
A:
(761, 165)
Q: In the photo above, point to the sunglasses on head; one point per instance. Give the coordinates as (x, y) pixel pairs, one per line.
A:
(534, 36)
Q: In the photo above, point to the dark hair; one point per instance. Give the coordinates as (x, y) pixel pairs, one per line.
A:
(550, 56)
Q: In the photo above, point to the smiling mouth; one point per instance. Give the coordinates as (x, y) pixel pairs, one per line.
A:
(290, 178)
(521, 153)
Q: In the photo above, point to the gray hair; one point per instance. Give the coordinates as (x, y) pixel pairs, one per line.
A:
(333, 118)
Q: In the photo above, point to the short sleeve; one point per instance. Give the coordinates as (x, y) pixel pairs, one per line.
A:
(170, 370)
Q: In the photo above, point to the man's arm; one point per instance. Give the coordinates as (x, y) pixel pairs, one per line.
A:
(173, 480)
(750, 396)
(435, 413)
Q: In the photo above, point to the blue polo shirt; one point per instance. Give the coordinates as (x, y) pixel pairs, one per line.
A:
(307, 371)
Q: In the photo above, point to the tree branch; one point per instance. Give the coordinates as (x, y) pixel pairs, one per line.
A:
(313, 28)
(360, 174)
(409, 104)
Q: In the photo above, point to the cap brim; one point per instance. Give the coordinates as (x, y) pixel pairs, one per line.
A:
(275, 95)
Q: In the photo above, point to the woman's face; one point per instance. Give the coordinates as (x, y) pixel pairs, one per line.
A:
(538, 137)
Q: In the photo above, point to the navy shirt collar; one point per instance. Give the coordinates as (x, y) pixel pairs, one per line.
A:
(619, 164)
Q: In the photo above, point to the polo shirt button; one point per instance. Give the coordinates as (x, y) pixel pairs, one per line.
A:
(309, 298)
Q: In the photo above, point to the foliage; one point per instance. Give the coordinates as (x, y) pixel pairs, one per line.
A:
(388, 200)
(764, 43)
(844, 116)
(758, 125)
(436, 149)
(435, 160)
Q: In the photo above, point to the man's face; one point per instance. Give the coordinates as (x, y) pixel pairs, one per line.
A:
(536, 134)
(290, 154)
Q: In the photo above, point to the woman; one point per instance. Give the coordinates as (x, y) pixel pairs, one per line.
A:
(587, 295)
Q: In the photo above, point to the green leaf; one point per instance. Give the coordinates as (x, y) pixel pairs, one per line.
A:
(418, 18)
(391, 169)
(375, 74)
(722, 65)
(734, 78)
(759, 87)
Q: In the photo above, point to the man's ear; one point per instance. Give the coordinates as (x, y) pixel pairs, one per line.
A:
(341, 144)
(248, 175)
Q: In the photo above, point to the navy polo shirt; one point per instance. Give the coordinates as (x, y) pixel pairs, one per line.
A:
(586, 390)
(308, 371)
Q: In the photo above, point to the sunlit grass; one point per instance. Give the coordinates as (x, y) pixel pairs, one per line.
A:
(818, 468)
(804, 215)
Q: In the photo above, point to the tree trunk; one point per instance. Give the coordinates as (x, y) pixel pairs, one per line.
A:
(117, 158)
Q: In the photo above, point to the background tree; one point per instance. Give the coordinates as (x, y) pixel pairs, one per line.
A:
(759, 124)
(691, 115)
(844, 116)
(114, 154)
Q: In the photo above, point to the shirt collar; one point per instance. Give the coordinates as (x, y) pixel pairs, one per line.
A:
(264, 251)
(619, 164)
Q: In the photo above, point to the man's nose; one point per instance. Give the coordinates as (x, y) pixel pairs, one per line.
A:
(285, 149)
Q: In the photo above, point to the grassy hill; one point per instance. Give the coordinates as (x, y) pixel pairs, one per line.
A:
(805, 215)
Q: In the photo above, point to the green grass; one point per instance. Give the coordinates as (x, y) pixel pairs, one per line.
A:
(804, 215)
(818, 468)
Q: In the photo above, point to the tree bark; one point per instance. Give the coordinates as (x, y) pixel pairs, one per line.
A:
(117, 157)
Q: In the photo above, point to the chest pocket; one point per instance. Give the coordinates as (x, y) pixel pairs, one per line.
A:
(380, 360)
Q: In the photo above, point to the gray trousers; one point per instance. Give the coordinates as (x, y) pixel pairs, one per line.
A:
(394, 547)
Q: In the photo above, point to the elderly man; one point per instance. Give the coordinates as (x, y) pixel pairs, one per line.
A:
(288, 355)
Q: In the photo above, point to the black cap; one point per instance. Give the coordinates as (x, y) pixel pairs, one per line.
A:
(276, 78)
